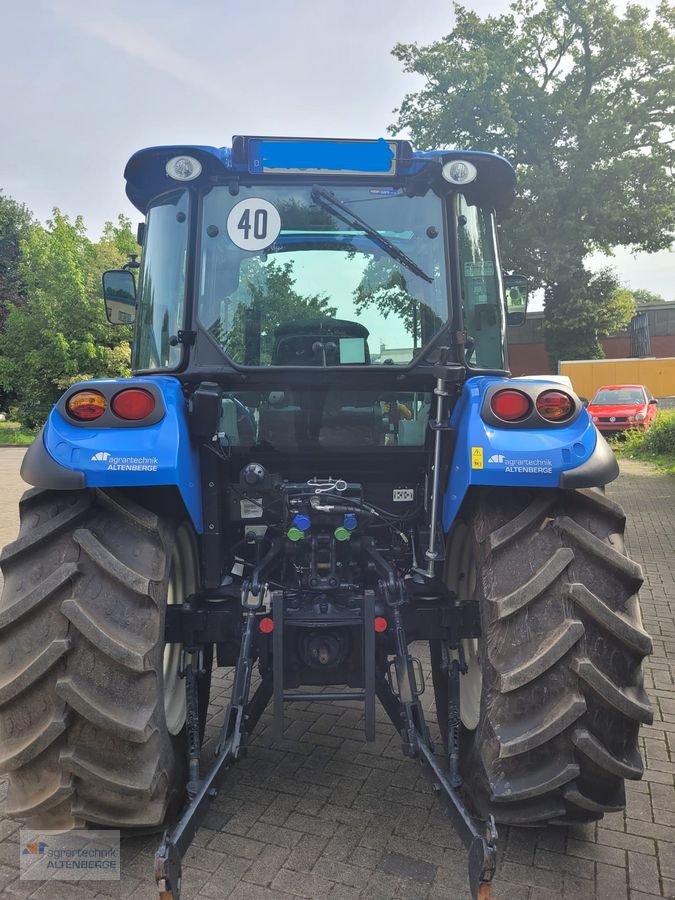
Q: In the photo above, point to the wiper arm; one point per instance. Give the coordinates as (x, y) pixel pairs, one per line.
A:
(342, 212)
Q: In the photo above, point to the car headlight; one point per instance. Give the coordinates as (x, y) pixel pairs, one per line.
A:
(640, 417)
(631, 418)
(595, 418)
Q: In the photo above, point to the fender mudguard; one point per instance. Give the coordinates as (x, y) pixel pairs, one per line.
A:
(67, 456)
(569, 455)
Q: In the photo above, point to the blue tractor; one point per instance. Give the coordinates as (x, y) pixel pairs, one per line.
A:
(321, 458)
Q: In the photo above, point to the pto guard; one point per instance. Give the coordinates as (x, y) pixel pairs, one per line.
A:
(572, 455)
(66, 456)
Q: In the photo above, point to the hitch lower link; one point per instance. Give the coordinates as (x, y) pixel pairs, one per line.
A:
(402, 704)
(240, 719)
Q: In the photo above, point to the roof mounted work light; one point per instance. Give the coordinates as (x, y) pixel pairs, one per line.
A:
(458, 171)
(183, 168)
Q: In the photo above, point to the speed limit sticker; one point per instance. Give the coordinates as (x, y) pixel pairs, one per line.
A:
(253, 224)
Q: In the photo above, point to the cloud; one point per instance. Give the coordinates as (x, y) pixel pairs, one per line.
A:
(138, 44)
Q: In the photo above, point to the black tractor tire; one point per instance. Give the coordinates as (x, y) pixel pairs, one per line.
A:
(561, 649)
(83, 730)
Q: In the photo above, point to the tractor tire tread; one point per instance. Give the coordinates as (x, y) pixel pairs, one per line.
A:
(82, 731)
(563, 644)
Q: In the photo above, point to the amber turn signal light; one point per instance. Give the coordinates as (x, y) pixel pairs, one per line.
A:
(86, 405)
(554, 406)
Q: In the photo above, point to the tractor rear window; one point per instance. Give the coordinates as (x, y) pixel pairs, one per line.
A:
(324, 420)
(290, 278)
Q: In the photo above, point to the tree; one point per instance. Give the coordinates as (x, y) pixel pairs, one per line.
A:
(15, 220)
(580, 99)
(385, 287)
(266, 299)
(59, 334)
(644, 297)
(593, 307)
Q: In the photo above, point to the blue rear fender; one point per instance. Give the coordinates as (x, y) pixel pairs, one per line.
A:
(65, 455)
(570, 455)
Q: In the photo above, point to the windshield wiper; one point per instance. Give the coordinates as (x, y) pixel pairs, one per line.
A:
(342, 212)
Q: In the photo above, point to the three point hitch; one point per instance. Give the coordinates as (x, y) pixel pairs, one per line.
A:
(397, 685)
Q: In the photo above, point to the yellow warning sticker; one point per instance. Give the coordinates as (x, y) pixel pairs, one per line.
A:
(476, 457)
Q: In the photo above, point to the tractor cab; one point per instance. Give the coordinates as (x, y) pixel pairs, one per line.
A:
(318, 283)
(240, 244)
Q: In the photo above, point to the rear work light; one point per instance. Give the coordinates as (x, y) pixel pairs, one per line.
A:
(554, 406)
(510, 405)
(86, 405)
(133, 404)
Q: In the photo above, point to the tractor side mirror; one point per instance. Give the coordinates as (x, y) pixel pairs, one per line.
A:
(515, 288)
(119, 295)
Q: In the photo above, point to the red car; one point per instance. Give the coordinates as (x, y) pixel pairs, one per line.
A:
(618, 407)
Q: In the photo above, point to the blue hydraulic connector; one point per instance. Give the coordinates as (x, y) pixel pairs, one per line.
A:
(350, 521)
(304, 523)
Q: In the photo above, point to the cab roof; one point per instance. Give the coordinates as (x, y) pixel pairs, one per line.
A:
(315, 160)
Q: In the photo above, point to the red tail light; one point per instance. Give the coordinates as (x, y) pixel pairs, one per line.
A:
(510, 405)
(554, 405)
(380, 624)
(86, 405)
(266, 625)
(133, 404)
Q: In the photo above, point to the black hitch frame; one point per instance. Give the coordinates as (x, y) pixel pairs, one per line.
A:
(404, 708)
(241, 718)
(397, 685)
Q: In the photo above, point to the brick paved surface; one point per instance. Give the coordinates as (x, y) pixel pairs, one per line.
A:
(326, 815)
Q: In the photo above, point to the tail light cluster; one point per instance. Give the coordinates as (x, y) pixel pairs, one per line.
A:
(130, 404)
(512, 405)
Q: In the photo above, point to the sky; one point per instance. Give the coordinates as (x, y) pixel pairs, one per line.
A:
(88, 83)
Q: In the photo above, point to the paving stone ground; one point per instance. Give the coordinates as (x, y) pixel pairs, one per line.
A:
(326, 815)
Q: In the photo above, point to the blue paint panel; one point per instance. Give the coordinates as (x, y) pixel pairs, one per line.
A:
(335, 156)
(511, 457)
(150, 456)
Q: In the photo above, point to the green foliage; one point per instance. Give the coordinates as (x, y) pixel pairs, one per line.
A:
(12, 433)
(580, 98)
(267, 298)
(656, 445)
(642, 297)
(578, 313)
(15, 221)
(659, 439)
(383, 286)
(59, 334)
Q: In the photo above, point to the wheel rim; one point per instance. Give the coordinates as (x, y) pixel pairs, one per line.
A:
(182, 581)
(462, 579)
